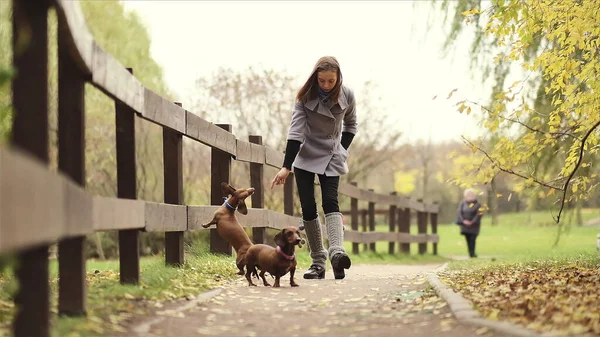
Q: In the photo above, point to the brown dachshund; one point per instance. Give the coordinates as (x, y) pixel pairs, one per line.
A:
(276, 261)
(227, 224)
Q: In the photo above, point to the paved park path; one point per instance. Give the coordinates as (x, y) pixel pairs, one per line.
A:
(373, 300)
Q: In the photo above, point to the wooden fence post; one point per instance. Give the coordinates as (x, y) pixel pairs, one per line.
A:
(434, 227)
(364, 219)
(372, 221)
(71, 161)
(129, 252)
(422, 228)
(258, 198)
(288, 195)
(220, 171)
(173, 190)
(392, 221)
(404, 227)
(354, 219)
(30, 134)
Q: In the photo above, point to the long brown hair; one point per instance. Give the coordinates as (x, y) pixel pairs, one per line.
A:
(310, 89)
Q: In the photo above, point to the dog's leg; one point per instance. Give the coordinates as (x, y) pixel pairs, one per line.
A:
(277, 278)
(240, 266)
(248, 273)
(262, 275)
(212, 222)
(292, 282)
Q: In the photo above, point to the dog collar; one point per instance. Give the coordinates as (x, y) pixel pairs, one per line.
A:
(228, 205)
(288, 257)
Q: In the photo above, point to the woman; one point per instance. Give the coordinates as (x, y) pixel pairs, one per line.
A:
(322, 127)
(469, 219)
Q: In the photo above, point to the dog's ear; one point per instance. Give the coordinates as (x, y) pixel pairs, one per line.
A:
(279, 240)
(242, 207)
(227, 189)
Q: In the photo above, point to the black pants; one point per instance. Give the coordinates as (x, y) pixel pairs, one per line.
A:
(305, 182)
(471, 243)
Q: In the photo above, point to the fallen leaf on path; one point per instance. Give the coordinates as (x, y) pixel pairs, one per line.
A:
(482, 331)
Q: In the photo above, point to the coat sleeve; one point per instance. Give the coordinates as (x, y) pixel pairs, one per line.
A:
(350, 123)
(298, 123)
(459, 215)
(477, 214)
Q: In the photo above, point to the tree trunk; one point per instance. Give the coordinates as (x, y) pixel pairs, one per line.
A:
(99, 249)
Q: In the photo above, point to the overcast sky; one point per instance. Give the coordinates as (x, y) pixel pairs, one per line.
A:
(382, 41)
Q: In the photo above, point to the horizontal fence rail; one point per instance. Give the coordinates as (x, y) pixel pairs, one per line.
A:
(50, 207)
(40, 207)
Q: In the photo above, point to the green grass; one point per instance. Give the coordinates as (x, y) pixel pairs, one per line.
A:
(110, 304)
(524, 236)
(514, 237)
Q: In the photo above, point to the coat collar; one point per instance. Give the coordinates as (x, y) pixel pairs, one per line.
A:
(324, 110)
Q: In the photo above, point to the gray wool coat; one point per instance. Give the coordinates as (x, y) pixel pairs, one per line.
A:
(318, 126)
(469, 211)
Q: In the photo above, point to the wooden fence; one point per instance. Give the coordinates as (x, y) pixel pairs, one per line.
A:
(39, 207)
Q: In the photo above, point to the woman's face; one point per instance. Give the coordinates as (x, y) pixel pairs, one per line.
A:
(327, 79)
(470, 196)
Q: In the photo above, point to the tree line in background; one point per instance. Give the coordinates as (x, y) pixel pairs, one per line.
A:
(259, 100)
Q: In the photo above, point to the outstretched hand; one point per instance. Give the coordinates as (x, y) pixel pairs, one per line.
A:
(280, 177)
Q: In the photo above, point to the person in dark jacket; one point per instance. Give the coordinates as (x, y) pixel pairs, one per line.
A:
(469, 219)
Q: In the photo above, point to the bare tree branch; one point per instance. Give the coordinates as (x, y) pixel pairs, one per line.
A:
(577, 165)
(509, 171)
(530, 128)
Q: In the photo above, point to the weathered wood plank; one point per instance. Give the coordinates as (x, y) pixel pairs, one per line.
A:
(114, 213)
(243, 151)
(163, 112)
(382, 199)
(371, 237)
(220, 172)
(209, 134)
(257, 181)
(279, 221)
(32, 208)
(256, 217)
(129, 243)
(77, 205)
(80, 41)
(114, 79)
(165, 217)
(258, 153)
(273, 157)
(199, 215)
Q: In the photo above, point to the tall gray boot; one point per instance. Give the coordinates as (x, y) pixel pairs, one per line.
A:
(318, 254)
(337, 255)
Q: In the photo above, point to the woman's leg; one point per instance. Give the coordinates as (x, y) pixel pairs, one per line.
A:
(471, 244)
(335, 226)
(468, 240)
(306, 192)
(473, 240)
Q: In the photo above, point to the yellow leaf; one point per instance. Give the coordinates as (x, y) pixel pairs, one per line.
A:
(451, 93)
(494, 314)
